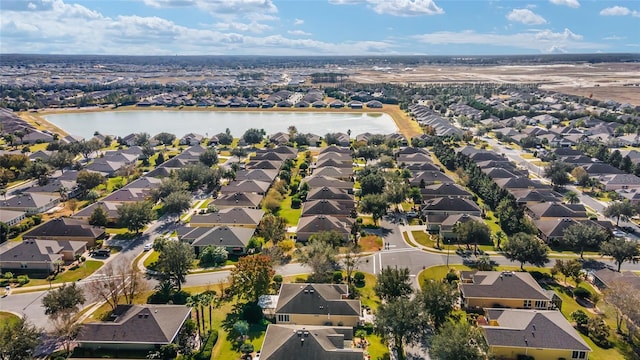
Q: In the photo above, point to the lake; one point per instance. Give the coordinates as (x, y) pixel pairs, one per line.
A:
(122, 123)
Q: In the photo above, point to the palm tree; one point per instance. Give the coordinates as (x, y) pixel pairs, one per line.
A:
(571, 197)
(499, 235)
(193, 302)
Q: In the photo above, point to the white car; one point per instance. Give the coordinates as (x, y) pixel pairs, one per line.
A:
(411, 214)
(148, 246)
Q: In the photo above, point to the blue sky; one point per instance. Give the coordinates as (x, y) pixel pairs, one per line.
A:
(319, 27)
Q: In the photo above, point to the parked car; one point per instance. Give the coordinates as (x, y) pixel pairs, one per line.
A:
(411, 214)
(619, 233)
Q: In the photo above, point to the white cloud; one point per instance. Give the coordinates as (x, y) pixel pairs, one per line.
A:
(570, 3)
(298, 33)
(619, 11)
(55, 31)
(556, 50)
(253, 27)
(219, 6)
(397, 7)
(525, 16)
(540, 40)
(297, 22)
(614, 38)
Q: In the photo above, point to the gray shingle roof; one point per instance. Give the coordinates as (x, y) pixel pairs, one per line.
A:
(147, 324)
(238, 199)
(68, 227)
(536, 329)
(231, 216)
(498, 285)
(319, 299)
(283, 342)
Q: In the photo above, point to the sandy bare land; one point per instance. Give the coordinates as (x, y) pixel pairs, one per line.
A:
(609, 80)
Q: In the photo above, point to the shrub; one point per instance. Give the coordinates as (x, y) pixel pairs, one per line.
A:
(358, 277)
(277, 278)
(23, 279)
(296, 202)
(213, 256)
(599, 332)
(205, 354)
(581, 293)
(246, 348)
(286, 245)
(337, 277)
(580, 317)
(252, 312)
(451, 277)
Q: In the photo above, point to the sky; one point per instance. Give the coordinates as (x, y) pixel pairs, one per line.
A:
(319, 27)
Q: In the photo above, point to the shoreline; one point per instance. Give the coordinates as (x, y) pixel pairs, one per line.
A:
(403, 122)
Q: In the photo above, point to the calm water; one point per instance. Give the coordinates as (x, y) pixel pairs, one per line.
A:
(122, 123)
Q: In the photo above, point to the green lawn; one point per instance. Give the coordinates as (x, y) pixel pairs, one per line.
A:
(151, 260)
(8, 318)
(368, 296)
(85, 269)
(439, 272)
(423, 239)
(291, 215)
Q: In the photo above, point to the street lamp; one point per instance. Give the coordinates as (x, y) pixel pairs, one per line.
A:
(448, 249)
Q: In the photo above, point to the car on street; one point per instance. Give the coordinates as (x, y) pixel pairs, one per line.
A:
(148, 246)
(619, 233)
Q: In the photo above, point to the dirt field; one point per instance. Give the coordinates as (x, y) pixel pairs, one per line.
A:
(604, 81)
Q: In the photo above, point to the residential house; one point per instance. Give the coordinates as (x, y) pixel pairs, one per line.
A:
(316, 304)
(265, 164)
(448, 224)
(110, 208)
(135, 327)
(238, 199)
(334, 172)
(12, 217)
(619, 181)
(287, 341)
(127, 194)
(451, 205)
(246, 186)
(235, 216)
(517, 290)
(67, 229)
(543, 211)
(444, 190)
(191, 139)
(264, 175)
(536, 334)
(424, 178)
(233, 238)
(31, 203)
(534, 196)
(328, 207)
(323, 181)
(330, 193)
(38, 255)
(606, 277)
(279, 137)
(309, 225)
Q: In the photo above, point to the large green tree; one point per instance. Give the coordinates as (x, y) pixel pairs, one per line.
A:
(253, 136)
(579, 236)
(18, 339)
(320, 257)
(87, 180)
(209, 157)
(136, 215)
(251, 277)
(177, 202)
(175, 261)
(621, 251)
(526, 248)
(272, 227)
(99, 217)
(401, 321)
(556, 171)
(393, 283)
(63, 300)
(372, 183)
(168, 186)
(374, 204)
(472, 232)
(620, 210)
(438, 298)
(458, 341)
